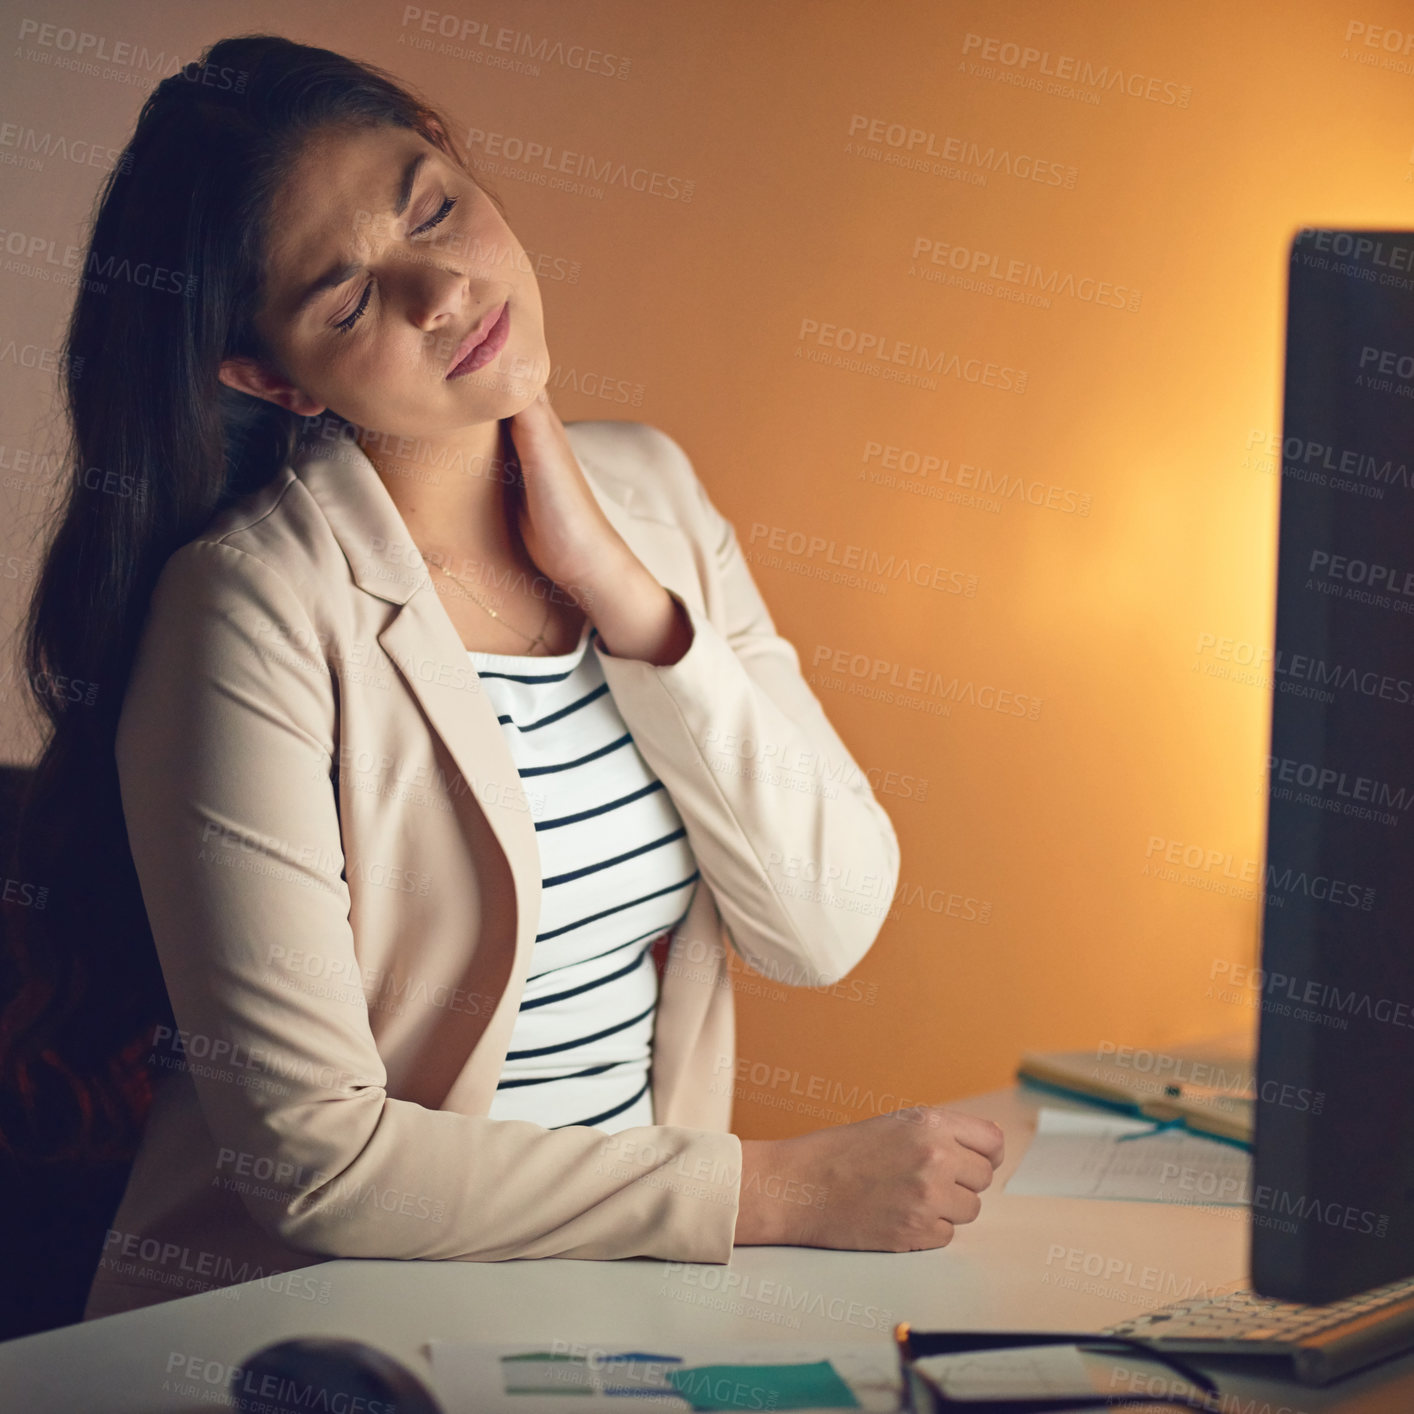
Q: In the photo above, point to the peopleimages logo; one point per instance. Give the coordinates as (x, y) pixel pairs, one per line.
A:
(1340, 792)
(82, 52)
(888, 465)
(471, 37)
(1218, 865)
(1107, 79)
(1393, 579)
(27, 147)
(1236, 981)
(1341, 468)
(1326, 1211)
(867, 560)
(748, 1287)
(542, 158)
(881, 355)
(924, 149)
(866, 670)
(990, 268)
(1304, 669)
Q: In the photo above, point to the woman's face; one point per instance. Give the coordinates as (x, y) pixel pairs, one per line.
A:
(377, 272)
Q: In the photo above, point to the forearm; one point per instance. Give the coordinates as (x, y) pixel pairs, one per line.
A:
(635, 616)
(752, 833)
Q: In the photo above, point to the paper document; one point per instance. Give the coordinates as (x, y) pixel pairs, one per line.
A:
(606, 1378)
(1079, 1154)
(1043, 1372)
(1031, 1372)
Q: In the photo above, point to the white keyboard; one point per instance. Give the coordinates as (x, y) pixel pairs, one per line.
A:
(1323, 1342)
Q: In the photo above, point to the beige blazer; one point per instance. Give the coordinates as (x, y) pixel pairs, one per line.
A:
(339, 864)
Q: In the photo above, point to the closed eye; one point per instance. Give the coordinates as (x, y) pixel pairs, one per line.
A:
(443, 211)
(344, 325)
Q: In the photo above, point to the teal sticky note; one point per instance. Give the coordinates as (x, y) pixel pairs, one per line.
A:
(815, 1385)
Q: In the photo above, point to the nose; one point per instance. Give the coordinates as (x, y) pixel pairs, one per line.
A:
(435, 291)
(440, 296)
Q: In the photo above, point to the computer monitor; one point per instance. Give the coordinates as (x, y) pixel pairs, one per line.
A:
(1333, 1172)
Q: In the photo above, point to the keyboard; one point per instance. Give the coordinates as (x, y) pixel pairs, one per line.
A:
(1322, 1342)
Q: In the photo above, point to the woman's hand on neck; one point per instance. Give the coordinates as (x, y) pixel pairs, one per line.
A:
(571, 539)
(511, 494)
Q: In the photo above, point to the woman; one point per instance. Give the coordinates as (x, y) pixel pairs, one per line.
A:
(414, 753)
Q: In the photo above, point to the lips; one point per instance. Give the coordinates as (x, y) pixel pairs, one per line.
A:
(482, 344)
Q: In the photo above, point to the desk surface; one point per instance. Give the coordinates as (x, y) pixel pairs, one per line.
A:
(1043, 1263)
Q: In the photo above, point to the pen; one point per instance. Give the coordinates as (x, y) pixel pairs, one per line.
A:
(1207, 1092)
(1159, 1126)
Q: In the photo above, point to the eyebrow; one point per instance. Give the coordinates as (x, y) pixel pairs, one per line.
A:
(337, 274)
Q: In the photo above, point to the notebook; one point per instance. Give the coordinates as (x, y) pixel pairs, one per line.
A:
(1209, 1087)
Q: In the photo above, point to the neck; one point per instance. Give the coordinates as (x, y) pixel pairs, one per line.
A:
(451, 492)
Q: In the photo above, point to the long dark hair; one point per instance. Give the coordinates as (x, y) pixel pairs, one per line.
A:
(171, 279)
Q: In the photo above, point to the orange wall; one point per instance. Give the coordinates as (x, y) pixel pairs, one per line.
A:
(1128, 413)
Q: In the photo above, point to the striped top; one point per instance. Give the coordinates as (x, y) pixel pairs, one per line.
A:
(616, 871)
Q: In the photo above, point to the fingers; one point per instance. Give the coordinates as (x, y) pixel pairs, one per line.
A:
(945, 1232)
(980, 1135)
(966, 1206)
(974, 1170)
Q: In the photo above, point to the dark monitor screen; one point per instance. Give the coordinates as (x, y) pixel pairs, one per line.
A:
(1333, 1175)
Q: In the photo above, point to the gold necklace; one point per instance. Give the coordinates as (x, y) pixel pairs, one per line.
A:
(539, 637)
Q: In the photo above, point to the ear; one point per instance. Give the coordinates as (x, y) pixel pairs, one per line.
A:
(249, 375)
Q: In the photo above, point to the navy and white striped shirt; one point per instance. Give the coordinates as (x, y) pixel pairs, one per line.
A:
(616, 871)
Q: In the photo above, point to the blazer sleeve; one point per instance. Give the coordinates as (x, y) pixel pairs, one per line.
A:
(224, 752)
(801, 858)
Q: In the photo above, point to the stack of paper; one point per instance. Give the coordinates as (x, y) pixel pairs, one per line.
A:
(1083, 1154)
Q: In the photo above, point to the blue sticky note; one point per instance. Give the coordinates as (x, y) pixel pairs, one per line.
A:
(815, 1385)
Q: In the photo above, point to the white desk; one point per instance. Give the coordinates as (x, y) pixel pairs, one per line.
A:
(1015, 1267)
